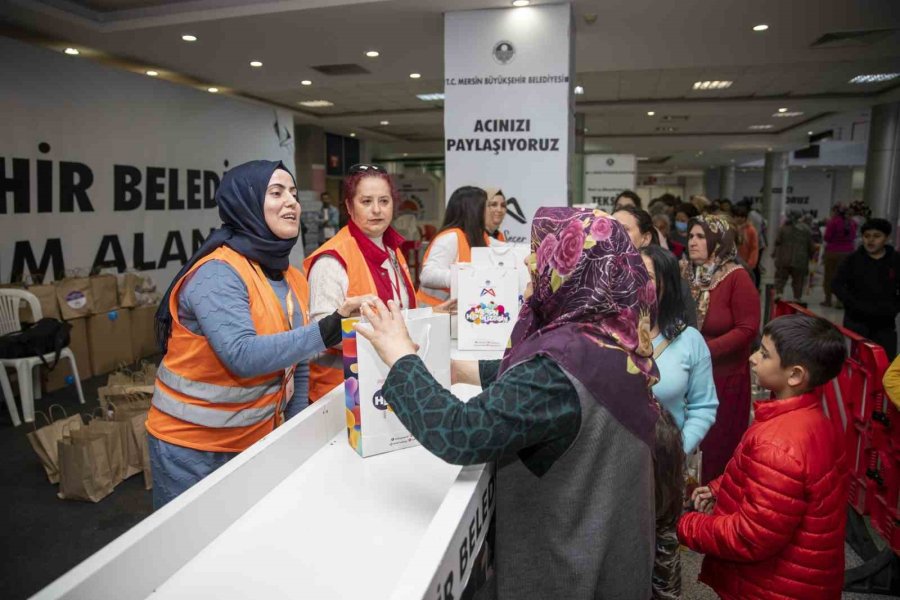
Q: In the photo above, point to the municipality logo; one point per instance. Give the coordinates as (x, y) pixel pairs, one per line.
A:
(504, 52)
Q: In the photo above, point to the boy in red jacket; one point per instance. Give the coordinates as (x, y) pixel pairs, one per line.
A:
(772, 526)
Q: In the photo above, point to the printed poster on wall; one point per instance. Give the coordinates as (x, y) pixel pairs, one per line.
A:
(116, 170)
(508, 107)
(606, 176)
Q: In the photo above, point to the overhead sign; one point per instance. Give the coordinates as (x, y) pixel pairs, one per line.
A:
(508, 108)
(606, 176)
(113, 169)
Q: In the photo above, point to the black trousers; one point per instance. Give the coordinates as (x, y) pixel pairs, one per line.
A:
(881, 332)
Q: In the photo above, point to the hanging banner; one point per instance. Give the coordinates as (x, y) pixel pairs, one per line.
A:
(810, 191)
(508, 107)
(606, 176)
(116, 170)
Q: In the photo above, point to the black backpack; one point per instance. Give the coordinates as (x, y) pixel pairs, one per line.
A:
(43, 337)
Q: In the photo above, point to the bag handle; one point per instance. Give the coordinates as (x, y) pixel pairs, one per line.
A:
(63, 410)
(423, 354)
(41, 413)
(91, 416)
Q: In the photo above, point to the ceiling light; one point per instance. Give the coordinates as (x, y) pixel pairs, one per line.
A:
(212, 90)
(874, 78)
(406, 154)
(430, 97)
(761, 127)
(809, 132)
(579, 90)
(316, 103)
(385, 122)
(793, 113)
(372, 53)
(189, 38)
(255, 63)
(152, 73)
(760, 27)
(712, 85)
(650, 113)
(782, 110)
(306, 82)
(521, 3)
(352, 134)
(72, 51)
(414, 75)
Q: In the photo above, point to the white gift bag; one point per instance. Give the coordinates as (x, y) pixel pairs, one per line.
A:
(372, 426)
(487, 307)
(509, 256)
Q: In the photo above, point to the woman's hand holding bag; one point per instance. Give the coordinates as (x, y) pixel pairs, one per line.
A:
(386, 331)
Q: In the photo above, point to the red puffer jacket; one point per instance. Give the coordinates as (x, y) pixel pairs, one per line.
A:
(777, 530)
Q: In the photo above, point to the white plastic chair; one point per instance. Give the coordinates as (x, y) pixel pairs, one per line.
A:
(29, 378)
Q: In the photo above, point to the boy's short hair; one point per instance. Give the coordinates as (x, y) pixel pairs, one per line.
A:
(882, 225)
(811, 342)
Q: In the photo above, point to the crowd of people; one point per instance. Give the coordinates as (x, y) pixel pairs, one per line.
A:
(620, 415)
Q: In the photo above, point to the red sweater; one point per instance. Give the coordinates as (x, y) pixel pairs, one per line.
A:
(777, 530)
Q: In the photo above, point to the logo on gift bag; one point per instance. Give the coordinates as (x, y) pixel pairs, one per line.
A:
(487, 314)
(380, 403)
(76, 299)
(487, 290)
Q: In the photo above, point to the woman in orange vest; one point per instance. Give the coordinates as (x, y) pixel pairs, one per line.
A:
(364, 258)
(235, 332)
(463, 229)
(494, 213)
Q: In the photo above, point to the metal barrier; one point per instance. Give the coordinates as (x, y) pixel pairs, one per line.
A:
(859, 409)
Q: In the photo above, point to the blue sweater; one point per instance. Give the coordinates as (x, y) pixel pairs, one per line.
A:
(686, 387)
(214, 303)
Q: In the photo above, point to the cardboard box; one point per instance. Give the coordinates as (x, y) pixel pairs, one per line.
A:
(143, 332)
(109, 340)
(78, 343)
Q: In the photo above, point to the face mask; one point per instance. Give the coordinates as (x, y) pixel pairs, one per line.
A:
(681, 226)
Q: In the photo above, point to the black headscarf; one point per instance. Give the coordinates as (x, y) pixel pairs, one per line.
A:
(240, 199)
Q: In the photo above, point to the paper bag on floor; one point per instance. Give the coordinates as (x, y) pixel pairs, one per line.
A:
(139, 431)
(125, 410)
(84, 471)
(116, 433)
(372, 426)
(44, 439)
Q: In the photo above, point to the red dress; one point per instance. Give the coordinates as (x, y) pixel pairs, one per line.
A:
(730, 328)
(777, 529)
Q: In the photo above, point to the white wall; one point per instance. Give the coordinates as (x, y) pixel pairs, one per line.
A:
(96, 118)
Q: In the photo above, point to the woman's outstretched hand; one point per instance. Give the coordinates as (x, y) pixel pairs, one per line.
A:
(386, 331)
(351, 305)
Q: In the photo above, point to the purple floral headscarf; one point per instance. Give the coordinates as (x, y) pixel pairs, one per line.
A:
(590, 312)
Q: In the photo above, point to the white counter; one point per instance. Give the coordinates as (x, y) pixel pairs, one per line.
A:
(298, 515)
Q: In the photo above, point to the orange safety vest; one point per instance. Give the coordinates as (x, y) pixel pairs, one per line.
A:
(326, 371)
(463, 255)
(197, 402)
